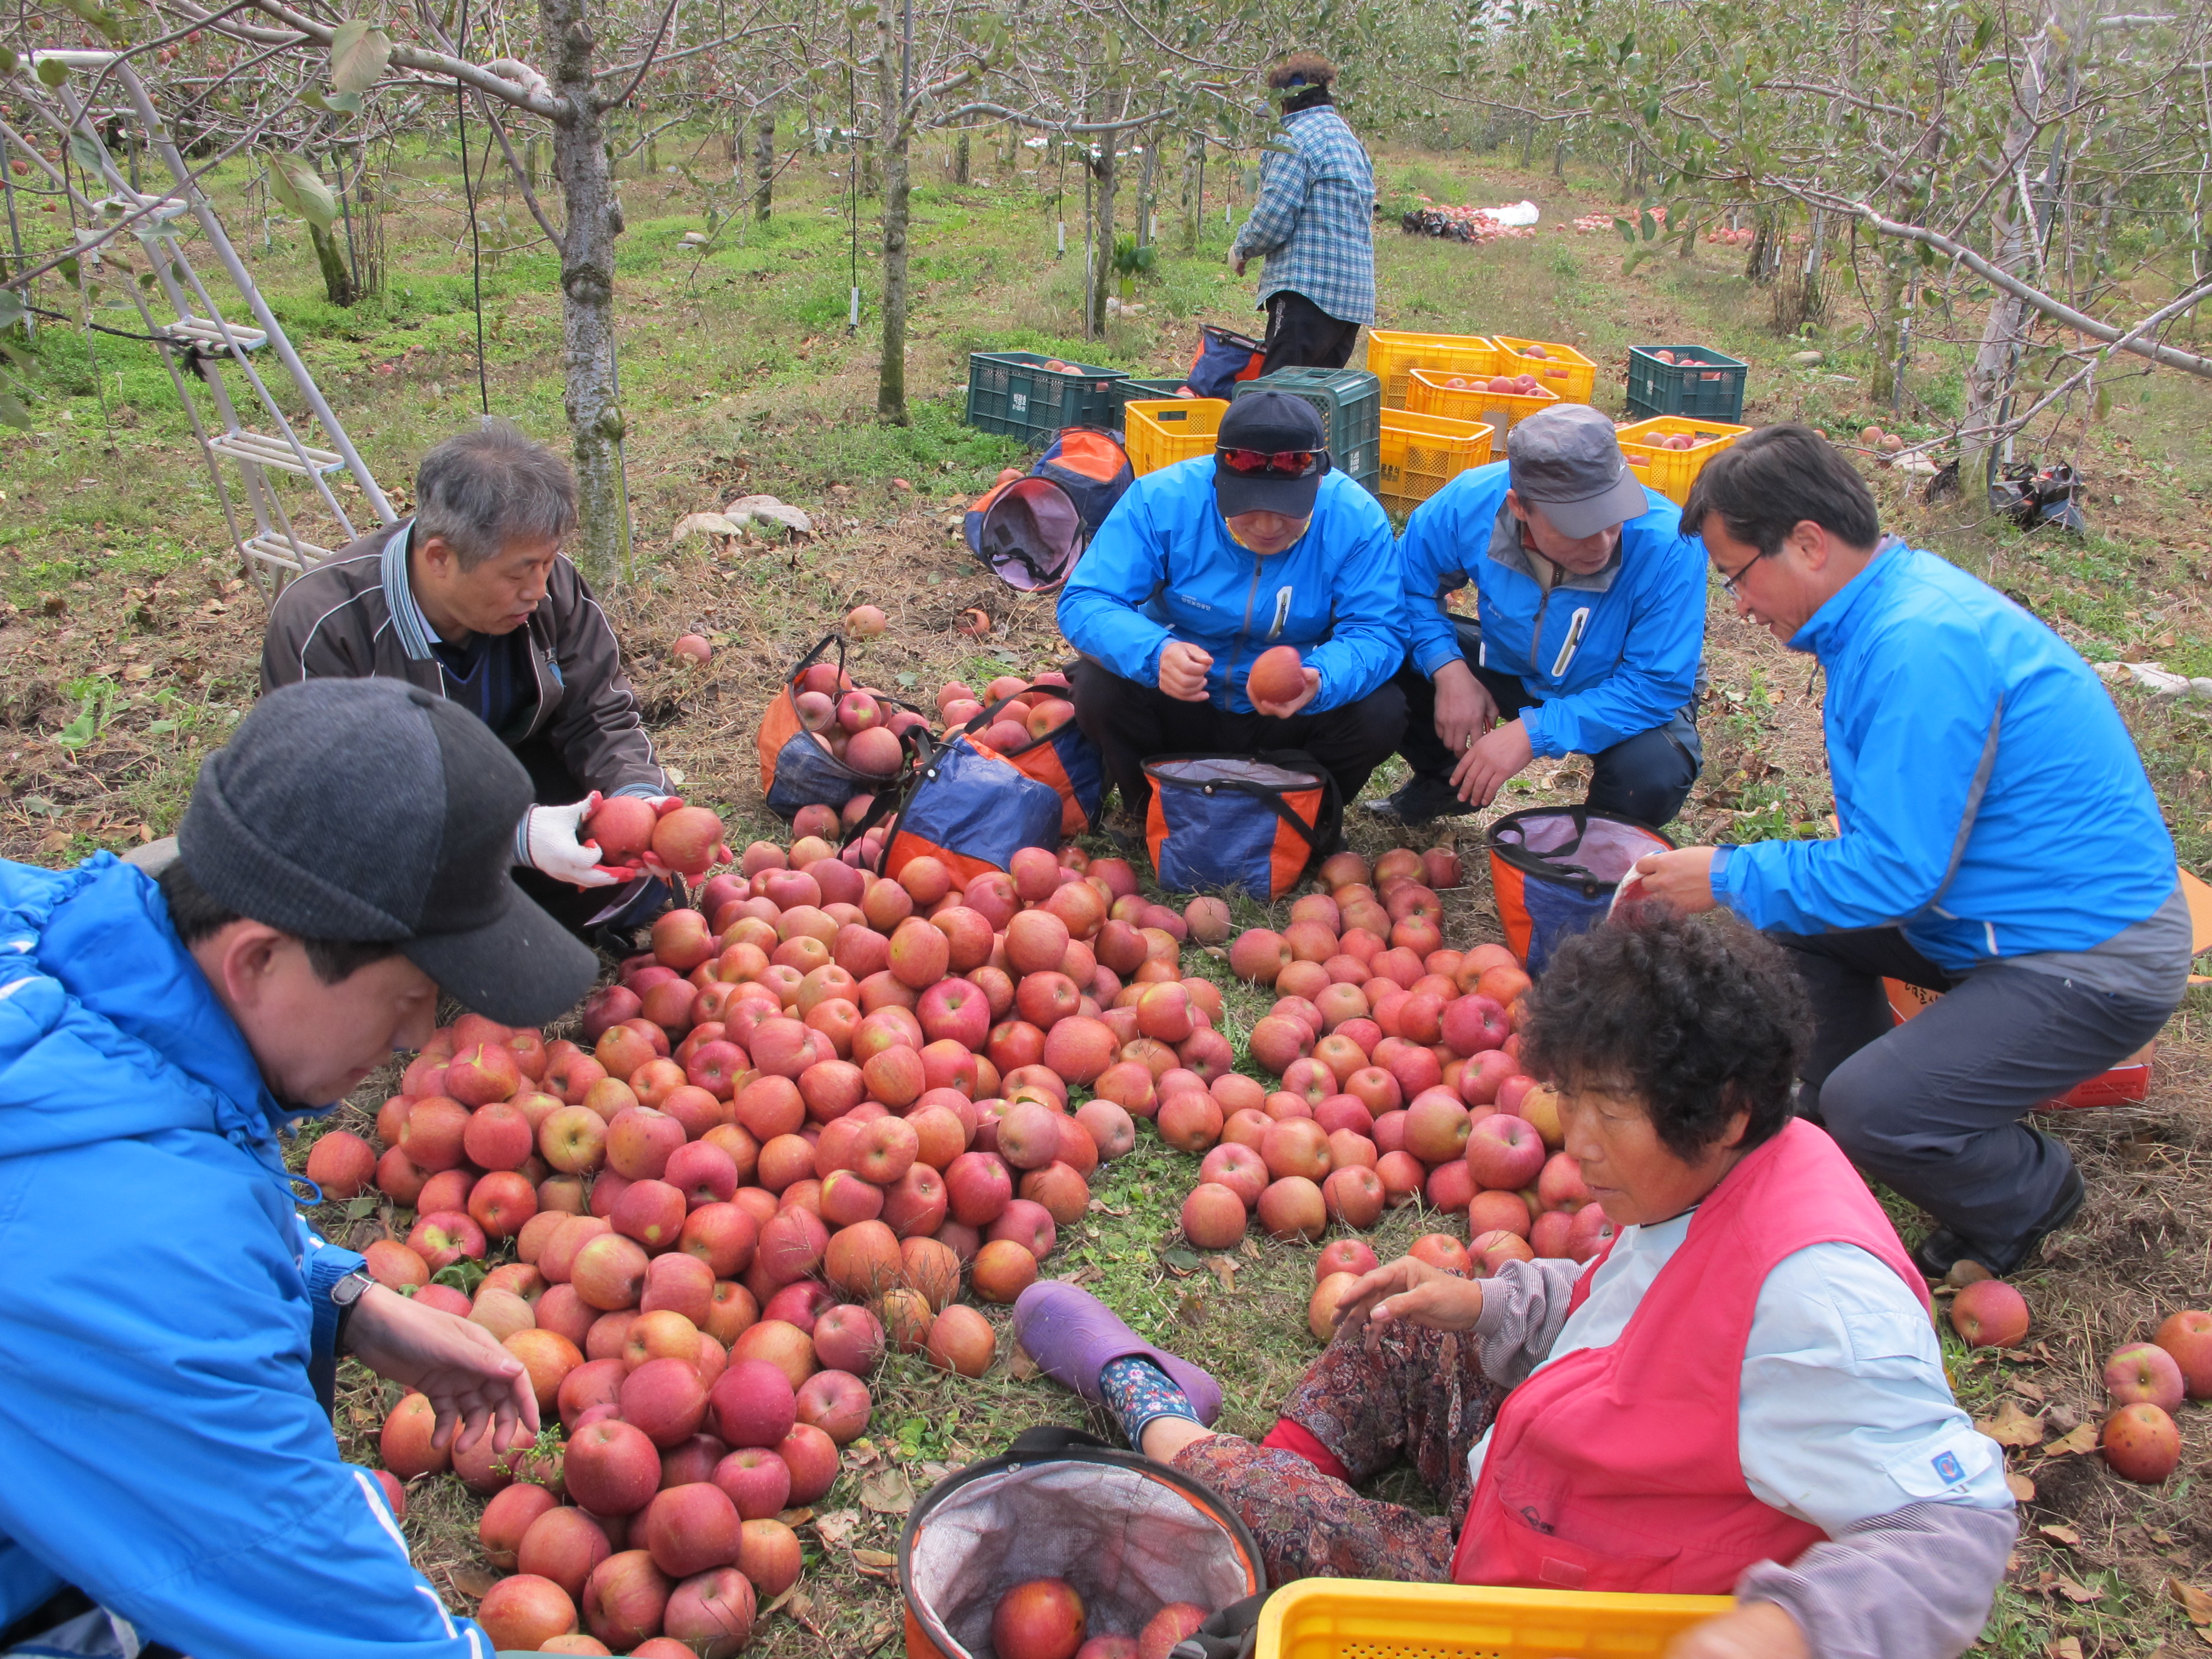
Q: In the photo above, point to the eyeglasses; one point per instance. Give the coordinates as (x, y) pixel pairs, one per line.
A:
(1283, 464)
(1729, 582)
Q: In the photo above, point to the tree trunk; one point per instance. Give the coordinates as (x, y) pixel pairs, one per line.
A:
(764, 163)
(960, 161)
(1102, 266)
(1995, 361)
(1146, 180)
(1194, 205)
(337, 281)
(587, 273)
(898, 145)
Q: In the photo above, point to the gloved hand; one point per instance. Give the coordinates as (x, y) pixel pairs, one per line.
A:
(548, 843)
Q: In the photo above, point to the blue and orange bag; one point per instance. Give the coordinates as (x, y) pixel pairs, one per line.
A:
(1553, 870)
(1258, 821)
(1063, 758)
(1030, 530)
(967, 807)
(1223, 358)
(797, 768)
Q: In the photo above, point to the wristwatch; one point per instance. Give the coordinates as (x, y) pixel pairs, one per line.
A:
(345, 1297)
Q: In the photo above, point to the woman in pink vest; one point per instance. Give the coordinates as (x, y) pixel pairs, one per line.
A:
(1741, 1393)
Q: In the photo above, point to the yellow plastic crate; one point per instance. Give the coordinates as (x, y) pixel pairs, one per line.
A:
(1392, 352)
(1562, 368)
(1429, 392)
(1422, 453)
(1361, 1619)
(1162, 431)
(1671, 472)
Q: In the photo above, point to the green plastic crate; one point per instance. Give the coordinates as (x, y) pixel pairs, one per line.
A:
(1125, 392)
(1349, 401)
(1710, 391)
(1014, 392)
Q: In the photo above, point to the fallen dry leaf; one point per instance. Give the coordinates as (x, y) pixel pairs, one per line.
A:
(2076, 1443)
(2027, 1390)
(2061, 1535)
(875, 1558)
(473, 1582)
(1021, 1367)
(796, 1518)
(2080, 1594)
(2196, 1606)
(887, 1491)
(2011, 1426)
(2021, 1488)
(2066, 1647)
(1226, 1271)
(834, 1527)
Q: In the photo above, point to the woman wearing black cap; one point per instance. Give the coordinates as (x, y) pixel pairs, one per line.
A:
(1314, 225)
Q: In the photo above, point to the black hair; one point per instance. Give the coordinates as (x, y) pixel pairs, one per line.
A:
(1697, 1018)
(1307, 76)
(197, 917)
(1770, 481)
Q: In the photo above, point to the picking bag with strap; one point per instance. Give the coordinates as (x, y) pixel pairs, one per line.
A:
(1257, 822)
(797, 768)
(965, 806)
(1030, 530)
(1553, 870)
(1223, 358)
(1063, 758)
(1131, 1535)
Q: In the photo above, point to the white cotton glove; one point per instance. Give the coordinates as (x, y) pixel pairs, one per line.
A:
(548, 842)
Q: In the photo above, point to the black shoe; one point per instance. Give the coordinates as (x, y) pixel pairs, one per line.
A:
(1943, 1249)
(1420, 801)
(1127, 831)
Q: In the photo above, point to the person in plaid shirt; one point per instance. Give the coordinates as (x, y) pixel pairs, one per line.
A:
(1314, 225)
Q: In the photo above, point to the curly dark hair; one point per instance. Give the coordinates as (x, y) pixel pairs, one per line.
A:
(1697, 1018)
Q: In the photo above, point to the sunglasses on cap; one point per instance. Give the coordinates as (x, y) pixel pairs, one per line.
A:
(1282, 463)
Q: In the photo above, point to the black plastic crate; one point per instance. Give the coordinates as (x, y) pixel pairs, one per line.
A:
(1014, 392)
(1349, 401)
(1710, 390)
(1125, 392)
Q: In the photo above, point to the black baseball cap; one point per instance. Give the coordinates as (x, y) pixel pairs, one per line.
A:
(1269, 423)
(375, 811)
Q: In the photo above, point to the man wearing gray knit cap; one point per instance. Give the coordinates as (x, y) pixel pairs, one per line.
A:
(174, 1324)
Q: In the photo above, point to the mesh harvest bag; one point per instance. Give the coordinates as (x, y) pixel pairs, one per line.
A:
(1130, 1534)
(1553, 870)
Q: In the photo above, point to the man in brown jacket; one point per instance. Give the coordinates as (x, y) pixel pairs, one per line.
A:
(471, 599)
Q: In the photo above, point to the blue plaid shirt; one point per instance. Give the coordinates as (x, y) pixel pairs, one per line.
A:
(1316, 218)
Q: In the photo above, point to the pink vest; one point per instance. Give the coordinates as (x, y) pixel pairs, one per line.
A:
(1615, 1468)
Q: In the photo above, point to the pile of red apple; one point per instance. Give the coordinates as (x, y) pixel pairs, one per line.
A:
(776, 1145)
(2148, 1382)
(1399, 1077)
(862, 728)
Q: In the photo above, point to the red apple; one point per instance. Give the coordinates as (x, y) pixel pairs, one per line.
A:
(1990, 1314)
(1042, 1618)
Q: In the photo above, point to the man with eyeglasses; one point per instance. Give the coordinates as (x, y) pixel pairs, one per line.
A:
(1999, 843)
(1203, 565)
(1589, 635)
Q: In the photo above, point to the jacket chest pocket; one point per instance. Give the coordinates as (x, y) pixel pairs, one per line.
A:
(1291, 612)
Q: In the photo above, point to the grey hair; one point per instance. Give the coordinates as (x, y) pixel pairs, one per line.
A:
(489, 489)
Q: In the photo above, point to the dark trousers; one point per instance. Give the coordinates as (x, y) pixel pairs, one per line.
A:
(1130, 723)
(1418, 1397)
(1646, 777)
(552, 784)
(1301, 335)
(1934, 1107)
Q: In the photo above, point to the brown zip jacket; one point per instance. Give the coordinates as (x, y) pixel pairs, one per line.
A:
(354, 617)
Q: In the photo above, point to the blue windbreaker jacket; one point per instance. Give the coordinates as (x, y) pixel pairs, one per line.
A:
(1610, 655)
(1164, 565)
(1990, 799)
(161, 1446)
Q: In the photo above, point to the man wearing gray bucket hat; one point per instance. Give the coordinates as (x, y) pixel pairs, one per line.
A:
(174, 1324)
(1588, 636)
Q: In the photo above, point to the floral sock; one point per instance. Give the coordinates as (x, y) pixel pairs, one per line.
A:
(1137, 1391)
